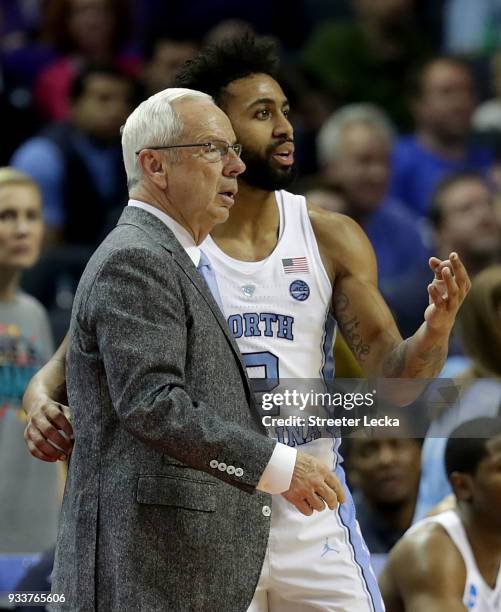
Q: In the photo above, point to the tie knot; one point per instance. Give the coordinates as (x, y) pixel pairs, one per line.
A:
(204, 261)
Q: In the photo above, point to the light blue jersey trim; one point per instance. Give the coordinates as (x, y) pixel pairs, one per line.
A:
(345, 514)
(329, 335)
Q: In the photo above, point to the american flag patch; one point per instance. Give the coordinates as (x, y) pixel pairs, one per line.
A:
(293, 265)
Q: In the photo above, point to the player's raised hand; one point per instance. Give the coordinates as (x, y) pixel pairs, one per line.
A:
(46, 420)
(313, 486)
(446, 292)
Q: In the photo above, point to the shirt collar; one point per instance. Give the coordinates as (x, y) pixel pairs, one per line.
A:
(182, 235)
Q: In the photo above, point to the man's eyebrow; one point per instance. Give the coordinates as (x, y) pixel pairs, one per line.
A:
(267, 101)
(210, 137)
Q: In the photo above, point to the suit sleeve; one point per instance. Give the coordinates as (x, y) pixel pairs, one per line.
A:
(137, 314)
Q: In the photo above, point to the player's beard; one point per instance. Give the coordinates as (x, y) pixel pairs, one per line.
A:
(260, 171)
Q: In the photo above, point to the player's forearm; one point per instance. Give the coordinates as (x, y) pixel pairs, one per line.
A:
(420, 356)
(49, 381)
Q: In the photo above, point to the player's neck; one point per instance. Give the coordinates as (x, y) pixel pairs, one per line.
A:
(254, 214)
(485, 542)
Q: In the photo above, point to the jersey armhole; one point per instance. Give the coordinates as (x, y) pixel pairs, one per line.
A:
(319, 269)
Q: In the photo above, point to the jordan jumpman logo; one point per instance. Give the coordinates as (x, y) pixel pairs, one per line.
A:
(328, 548)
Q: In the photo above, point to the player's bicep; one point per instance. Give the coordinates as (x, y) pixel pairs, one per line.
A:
(364, 319)
(428, 571)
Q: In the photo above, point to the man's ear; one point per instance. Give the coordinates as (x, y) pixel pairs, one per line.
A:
(462, 485)
(154, 167)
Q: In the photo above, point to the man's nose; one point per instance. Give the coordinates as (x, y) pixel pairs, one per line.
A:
(22, 226)
(283, 127)
(233, 165)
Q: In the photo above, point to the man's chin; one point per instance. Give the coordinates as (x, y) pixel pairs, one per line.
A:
(270, 176)
(223, 214)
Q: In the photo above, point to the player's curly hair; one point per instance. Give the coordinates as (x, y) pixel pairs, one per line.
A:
(216, 66)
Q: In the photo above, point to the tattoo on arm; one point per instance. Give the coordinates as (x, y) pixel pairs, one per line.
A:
(394, 364)
(349, 325)
(432, 357)
(429, 360)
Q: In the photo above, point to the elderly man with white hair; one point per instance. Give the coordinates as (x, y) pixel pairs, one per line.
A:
(166, 505)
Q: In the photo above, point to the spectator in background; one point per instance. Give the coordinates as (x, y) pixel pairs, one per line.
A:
(369, 59)
(163, 56)
(18, 119)
(443, 103)
(78, 163)
(82, 32)
(354, 149)
(385, 473)
(322, 193)
(28, 488)
(463, 219)
(480, 386)
(487, 116)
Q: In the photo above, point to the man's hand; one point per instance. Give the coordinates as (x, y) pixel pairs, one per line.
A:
(42, 433)
(447, 291)
(313, 486)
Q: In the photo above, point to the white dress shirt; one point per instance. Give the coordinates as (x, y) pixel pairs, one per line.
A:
(277, 475)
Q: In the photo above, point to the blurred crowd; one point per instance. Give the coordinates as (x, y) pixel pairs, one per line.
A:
(396, 106)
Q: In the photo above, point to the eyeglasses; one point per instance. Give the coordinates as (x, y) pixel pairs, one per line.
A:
(211, 151)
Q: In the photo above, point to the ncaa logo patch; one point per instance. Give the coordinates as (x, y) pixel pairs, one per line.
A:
(299, 290)
(472, 597)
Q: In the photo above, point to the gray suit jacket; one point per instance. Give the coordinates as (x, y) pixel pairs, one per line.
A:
(160, 510)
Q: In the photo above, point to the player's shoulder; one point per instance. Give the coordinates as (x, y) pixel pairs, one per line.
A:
(341, 241)
(331, 226)
(426, 556)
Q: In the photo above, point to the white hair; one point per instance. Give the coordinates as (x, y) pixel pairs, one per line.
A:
(329, 136)
(154, 123)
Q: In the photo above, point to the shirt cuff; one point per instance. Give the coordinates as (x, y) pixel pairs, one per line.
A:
(277, 475)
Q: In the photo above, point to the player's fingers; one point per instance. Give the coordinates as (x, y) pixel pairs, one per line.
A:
(51, 434)
(452, 288)
(436, 296)
(435, 264)
(460, 273)
(33, 435)
(59, 414)
(333, 482)
(38, 454)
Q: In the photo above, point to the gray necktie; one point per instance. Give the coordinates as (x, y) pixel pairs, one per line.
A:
(207, 272)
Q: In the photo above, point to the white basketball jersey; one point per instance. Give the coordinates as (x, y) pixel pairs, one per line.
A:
(477, 596)
(279, 310)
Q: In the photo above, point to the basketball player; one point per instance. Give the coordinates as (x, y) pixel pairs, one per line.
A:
(287, 272)
(451, 561)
